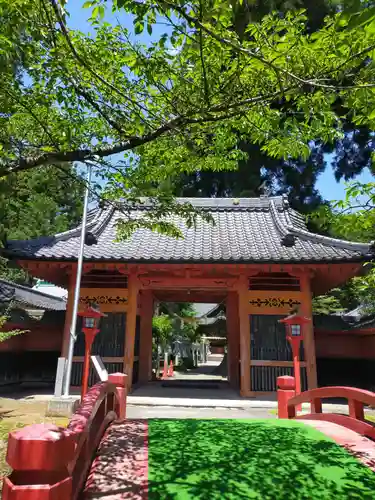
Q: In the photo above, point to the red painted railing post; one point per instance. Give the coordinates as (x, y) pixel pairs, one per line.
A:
(120, 381)
(316, 405)
(286, 387)
(39, 455)
(356, 409)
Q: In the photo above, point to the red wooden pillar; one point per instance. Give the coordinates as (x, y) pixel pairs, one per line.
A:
(145, 350)
(286, 387)
(119, 380)
(131, 322)
(233, 334)
(244, 319)
(308, 337)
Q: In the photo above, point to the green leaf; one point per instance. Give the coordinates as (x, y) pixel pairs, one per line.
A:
(95, 12)
(101, 11)
(362, 18)
(139, 27)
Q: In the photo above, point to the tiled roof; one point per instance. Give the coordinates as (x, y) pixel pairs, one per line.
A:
(12, 293)
(245, 230)
(336, 323)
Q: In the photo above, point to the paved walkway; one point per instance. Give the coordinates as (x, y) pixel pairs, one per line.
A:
(154, 394)
(204, 371)
(361, 447)
(182, 412)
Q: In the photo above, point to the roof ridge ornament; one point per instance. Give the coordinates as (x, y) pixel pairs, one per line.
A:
(289, 240)
(264, 189)
(285, 201)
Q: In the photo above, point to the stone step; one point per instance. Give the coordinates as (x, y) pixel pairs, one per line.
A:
(192, 384)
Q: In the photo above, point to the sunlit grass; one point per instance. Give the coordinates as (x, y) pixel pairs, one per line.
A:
(242, 459)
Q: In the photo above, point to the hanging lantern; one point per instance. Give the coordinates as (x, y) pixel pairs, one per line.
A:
(91, 317)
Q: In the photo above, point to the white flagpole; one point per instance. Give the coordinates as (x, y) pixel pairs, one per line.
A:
(73, 327)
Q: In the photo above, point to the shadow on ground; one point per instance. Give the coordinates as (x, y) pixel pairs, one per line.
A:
(239, 459)
(119, 470)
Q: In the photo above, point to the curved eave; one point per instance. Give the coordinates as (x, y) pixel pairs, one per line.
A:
(354, 259)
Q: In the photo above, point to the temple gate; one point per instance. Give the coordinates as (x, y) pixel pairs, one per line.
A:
(258, 257)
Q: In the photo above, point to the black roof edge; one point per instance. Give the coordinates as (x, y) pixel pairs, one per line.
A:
(32, 290)
(359, 259)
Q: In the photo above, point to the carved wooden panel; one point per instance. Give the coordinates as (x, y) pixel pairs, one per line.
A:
(280, 302)
(269, 302)
(108, 300)
(102, 299)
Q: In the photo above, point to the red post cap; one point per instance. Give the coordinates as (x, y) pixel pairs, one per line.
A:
(40, 447)
(61, 489)
(118, 379)
(286, 382)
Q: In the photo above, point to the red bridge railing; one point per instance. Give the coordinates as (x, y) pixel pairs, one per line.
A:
(52, 463)
(357, 399)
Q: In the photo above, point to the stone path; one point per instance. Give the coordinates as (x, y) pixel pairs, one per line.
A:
(120, 469)
(203, 372)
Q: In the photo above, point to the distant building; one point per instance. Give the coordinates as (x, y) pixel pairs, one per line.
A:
(51, 289)
(30, 356)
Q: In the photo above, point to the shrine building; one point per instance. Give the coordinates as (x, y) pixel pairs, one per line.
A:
(258, 256)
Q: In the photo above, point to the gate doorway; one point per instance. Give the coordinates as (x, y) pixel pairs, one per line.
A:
(192, 339)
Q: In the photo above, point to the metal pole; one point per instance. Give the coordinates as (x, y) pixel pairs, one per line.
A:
(73, 326)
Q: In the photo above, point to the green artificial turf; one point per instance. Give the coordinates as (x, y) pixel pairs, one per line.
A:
(250, 459)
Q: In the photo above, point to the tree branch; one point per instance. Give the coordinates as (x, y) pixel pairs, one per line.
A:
(65, 33)
(80, 155)
(251, 53)
(97, 108)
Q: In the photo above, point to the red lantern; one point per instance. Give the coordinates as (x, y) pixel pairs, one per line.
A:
(90, 327)
(294, 334)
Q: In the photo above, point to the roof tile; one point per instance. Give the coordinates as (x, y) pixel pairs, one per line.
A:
(245, 230)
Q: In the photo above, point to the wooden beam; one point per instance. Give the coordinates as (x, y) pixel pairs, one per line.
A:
(244, 323)
(86, 268)
(204, 296)
(168, 282)
(289, 364)
(131, 321)
(145, 348)
(308, 340)
(105, 359)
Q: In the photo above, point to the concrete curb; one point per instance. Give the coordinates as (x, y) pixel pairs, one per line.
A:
(219, 403)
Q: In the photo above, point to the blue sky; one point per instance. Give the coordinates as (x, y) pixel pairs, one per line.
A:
(327, 185)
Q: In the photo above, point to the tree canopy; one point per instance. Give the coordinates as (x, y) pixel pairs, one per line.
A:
(296, 177)
(181, 104)
(38, 202)
(351, 218)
